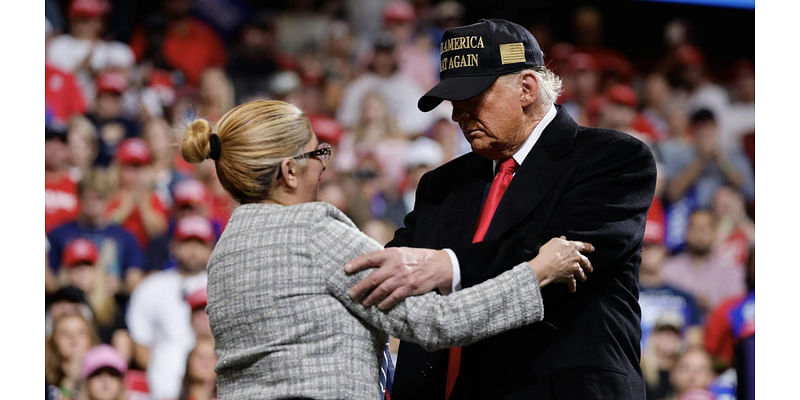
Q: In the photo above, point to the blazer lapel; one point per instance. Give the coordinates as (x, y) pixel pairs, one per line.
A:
(535, 176)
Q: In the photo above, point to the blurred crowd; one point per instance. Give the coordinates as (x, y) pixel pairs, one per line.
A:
(130, 226)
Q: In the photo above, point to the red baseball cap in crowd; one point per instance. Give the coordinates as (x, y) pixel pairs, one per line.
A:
(688, 56)
(398, 11)
(89, 8)
(194, 227)
(198, 299)
(654, 228)
(190, 192)
(622, 94)
(581, 62)
(133, 151)
(102, 356)
(112, 82)
(80, 251)
(327, 129)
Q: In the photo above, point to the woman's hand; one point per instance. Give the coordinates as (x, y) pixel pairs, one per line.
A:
(560, 260)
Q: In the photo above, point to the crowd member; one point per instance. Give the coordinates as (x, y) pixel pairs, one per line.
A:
(65, 300)
(158, 317)
(198, 300)
(112, 125)
(657, 298)
(657, 98)
(254, 59)
(84, 51)
(448, 135)
(696, 84)
(83, 271)
(333, 191)
(83, 146)
(697, 166)
(397, 92)
(414, 52)
(193, 198)
(660, 352)
(200, 380)
(62, 95)
(134, 204)
(423, 155)
(619, 112)
(701, 269)
(179, 40)
(190, 198)
(741, 123)
(376, 132)
(73, 335)
(581, 95)
(371, 190)
(732, 321)
(60, 190)
(216, 93)
(120, 254)
(692, 374)
(587, 26)
(158, 135)
(736, 232)
(102, 372)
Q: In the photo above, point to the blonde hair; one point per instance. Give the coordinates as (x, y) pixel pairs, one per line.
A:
(254, 138)
(53, 371)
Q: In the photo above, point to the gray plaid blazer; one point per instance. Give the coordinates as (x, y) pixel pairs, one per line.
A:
(285, 327)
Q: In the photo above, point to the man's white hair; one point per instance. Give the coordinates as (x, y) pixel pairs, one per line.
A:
(550, 85)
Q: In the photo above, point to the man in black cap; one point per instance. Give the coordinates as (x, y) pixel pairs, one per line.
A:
(592, 185)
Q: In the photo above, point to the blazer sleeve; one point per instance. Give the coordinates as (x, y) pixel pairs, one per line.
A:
(605, 203)
(433, 321)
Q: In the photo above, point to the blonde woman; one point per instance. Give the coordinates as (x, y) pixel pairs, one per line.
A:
(278, 304)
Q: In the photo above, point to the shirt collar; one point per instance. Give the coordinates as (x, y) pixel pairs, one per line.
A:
(527, 146)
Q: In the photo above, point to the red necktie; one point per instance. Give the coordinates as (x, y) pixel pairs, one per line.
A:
(499, 186)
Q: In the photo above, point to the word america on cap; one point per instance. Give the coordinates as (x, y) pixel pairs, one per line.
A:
(459, 43)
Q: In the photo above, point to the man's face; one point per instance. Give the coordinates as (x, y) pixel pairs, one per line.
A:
(93, 206)
(653, 256)
(492, 121)
(109, 105)
(56, 154)
(693, 371)
(192, 254)
(701, 233)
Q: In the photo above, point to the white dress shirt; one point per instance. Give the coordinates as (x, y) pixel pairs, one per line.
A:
(519, 157)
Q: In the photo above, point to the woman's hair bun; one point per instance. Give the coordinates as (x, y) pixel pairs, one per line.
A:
(195, 146)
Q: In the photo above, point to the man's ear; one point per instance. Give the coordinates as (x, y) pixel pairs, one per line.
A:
(289, 173)
(530, 88)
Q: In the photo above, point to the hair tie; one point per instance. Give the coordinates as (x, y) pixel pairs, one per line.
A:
(216, 147)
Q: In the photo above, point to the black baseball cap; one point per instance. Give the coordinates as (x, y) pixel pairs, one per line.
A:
(473, 56)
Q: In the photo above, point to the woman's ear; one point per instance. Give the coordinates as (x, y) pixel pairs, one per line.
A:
(288, 173)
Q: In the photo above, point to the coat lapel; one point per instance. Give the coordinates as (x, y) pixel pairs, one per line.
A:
(463, 205)
(535, 176)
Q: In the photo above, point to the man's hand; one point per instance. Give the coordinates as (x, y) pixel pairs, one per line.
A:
(402, 272)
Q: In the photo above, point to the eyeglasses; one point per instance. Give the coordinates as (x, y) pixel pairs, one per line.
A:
(323, 153)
